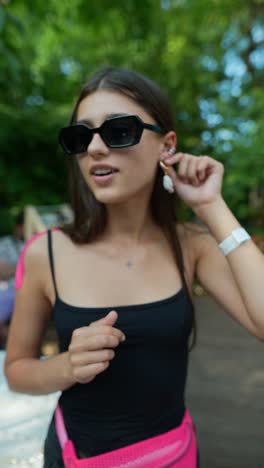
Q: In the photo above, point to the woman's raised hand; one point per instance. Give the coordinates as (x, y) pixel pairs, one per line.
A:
(90, 350)
(198, 180)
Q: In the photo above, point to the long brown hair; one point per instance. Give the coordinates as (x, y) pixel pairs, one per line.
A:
(89, 214)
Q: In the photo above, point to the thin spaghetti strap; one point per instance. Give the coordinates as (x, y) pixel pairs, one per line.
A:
(50, 251)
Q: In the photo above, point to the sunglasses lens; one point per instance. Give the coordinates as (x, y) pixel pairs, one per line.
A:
(75, 139)
(121, 132)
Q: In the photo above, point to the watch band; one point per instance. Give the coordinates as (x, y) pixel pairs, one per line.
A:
(237, 237)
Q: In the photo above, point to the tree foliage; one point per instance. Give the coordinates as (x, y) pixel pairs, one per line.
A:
(208, 56)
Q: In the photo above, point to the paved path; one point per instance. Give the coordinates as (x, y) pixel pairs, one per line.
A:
(225, 391)
(23, 424)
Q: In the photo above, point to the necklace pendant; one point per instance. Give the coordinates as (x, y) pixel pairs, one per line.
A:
(129, 264)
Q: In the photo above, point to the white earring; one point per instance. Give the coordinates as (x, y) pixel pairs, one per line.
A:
(172, 151)
(167, 180)
(168, 184)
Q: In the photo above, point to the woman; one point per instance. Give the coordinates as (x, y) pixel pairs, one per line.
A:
(119, 281)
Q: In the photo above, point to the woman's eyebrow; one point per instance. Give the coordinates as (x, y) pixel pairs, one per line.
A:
(106, 117)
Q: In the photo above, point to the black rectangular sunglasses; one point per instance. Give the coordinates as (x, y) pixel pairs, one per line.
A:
(117, 132)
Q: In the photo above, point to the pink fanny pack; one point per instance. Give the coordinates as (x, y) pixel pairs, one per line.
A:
(176, 448)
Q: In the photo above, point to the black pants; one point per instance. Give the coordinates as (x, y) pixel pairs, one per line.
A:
(52, 449)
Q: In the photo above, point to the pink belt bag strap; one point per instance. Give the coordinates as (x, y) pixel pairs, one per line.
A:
(176, 448)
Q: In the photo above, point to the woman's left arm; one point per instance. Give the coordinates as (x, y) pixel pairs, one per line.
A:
(236, 281)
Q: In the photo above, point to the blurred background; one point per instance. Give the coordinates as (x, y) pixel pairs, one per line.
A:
(209, 57)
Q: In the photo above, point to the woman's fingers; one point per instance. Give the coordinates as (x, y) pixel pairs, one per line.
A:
(94, 342)
(83, 333)
(90, 350)
(183, 170)
(109, 319)
(94, 357)
(86, 374)
(190, 169)
(192, 172)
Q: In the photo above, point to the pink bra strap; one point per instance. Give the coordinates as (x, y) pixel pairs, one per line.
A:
(19, 276)
(60, 427)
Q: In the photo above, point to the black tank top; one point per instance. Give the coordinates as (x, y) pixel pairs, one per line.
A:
(141, 394)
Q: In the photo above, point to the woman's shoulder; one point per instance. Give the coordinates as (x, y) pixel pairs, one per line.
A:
(37, 245)
(191, 231)
(193, 237)
(34, 256)
(199, 240)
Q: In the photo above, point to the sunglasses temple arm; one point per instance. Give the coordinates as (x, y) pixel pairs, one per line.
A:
(155, 128)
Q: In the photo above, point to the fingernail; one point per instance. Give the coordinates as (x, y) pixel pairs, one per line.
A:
(111, 312)
(163, 165)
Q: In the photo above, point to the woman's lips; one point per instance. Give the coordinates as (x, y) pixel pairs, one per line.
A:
(104, 179)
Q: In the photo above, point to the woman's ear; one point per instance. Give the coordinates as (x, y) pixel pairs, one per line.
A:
(169, 141)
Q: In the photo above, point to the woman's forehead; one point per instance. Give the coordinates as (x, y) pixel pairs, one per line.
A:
(101, 104)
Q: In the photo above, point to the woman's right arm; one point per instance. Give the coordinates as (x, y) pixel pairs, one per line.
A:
(24, 370)
(90, 350)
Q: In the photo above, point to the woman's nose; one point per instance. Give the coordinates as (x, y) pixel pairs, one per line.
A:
(97, 145)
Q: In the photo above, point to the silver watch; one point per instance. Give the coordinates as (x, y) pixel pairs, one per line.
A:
(237, 237)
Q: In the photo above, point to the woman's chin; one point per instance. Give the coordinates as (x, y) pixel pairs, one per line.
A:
(108, 198)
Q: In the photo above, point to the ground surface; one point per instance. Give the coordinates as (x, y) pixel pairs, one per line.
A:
(225, 391)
